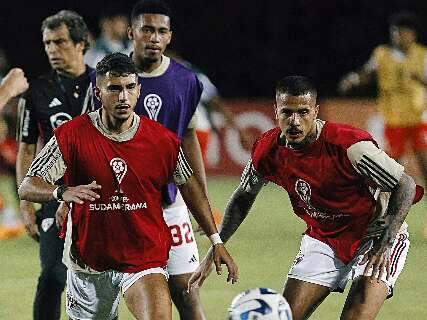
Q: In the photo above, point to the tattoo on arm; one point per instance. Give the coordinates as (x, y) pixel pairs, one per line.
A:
(399, 204)
(236, 211)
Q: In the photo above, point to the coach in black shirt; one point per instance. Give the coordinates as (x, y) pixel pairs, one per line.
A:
(52, 99)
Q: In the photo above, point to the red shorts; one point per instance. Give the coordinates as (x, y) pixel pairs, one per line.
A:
(398, 137)
(203, 137)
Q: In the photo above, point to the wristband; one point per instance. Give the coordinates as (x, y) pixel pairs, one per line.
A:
(58, 192)
(215, 239)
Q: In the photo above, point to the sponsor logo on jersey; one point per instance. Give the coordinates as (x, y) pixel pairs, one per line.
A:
(117, 206)
(59, 119)
(47, 223)
(152, 104)
(303, 189)
(55, 103)
(119, 201)
(193, 259)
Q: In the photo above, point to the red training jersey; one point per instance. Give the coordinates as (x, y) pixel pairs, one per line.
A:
(124, 229)
(324, 188)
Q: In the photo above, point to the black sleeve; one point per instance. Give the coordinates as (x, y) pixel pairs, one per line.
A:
(27, 129)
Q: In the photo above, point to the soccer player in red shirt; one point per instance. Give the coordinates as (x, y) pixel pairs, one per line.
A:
(353, 197)
(114, 165)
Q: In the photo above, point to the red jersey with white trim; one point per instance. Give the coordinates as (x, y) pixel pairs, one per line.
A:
(124, 229)
(324, 187)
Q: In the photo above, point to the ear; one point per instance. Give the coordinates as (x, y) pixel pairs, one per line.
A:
(316, 111)
(80, 46)
(170, 37)
(139, 89)
(275, 111)
(130, 33)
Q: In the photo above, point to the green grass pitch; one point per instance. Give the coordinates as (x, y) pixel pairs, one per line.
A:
(263, 247)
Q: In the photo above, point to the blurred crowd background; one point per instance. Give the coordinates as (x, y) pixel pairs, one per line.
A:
(244, 47)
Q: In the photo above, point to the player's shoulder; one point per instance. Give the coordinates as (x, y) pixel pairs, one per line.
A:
(182, 71)
(264, 144)
(382, 49)
(344, 135)
(421, 48)
(42, 82)
(157, 130)
(76, 125)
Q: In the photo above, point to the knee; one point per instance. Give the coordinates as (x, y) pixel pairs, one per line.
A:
(183, 300)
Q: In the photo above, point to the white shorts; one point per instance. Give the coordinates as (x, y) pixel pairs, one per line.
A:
(183, 256)
(97, 295)
(317, 263)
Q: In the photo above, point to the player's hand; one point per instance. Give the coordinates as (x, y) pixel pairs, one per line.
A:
(29, 218)
(221, 256)
(15, 82)
(378, 258)
(82, 193)
(61, 214)
(218, 255)
(203, 271)
(348, 82)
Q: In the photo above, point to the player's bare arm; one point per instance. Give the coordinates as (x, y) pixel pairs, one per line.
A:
(197, 202)
(191, 147)
(398, 208)
(26, 154)
(236, 211)
(358, 78)
(47, 168)
(13, 84)
(35, 189)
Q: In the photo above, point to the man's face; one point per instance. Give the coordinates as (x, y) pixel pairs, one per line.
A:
(296, 117)
(150, 34)
(62, 52)
(402, 37)
(118, 94)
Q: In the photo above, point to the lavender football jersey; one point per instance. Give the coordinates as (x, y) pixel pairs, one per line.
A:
(171, 99)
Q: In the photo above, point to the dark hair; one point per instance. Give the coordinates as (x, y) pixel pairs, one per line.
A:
(117, 64)
(150, 6)
(75, 24)
(296, 86)
(404, 19)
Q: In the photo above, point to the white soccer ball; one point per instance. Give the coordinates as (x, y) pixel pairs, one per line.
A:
(259, 304)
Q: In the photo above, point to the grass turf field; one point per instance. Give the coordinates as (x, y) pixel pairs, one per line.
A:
(263, 247)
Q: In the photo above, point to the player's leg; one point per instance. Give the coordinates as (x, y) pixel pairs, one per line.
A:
(316, 272)
(189, 305)
(364, 300)
(93, 296)
(304, 297)
(51, 283)
(366, 296)
(183, 261)
(148, 298)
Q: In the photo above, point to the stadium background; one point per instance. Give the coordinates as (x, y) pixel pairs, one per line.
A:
(244, 47)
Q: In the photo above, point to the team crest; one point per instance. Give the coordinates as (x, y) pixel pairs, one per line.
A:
(47, 223)
(59, 119)
(153, 104)
(302, 188)
(119, 167)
